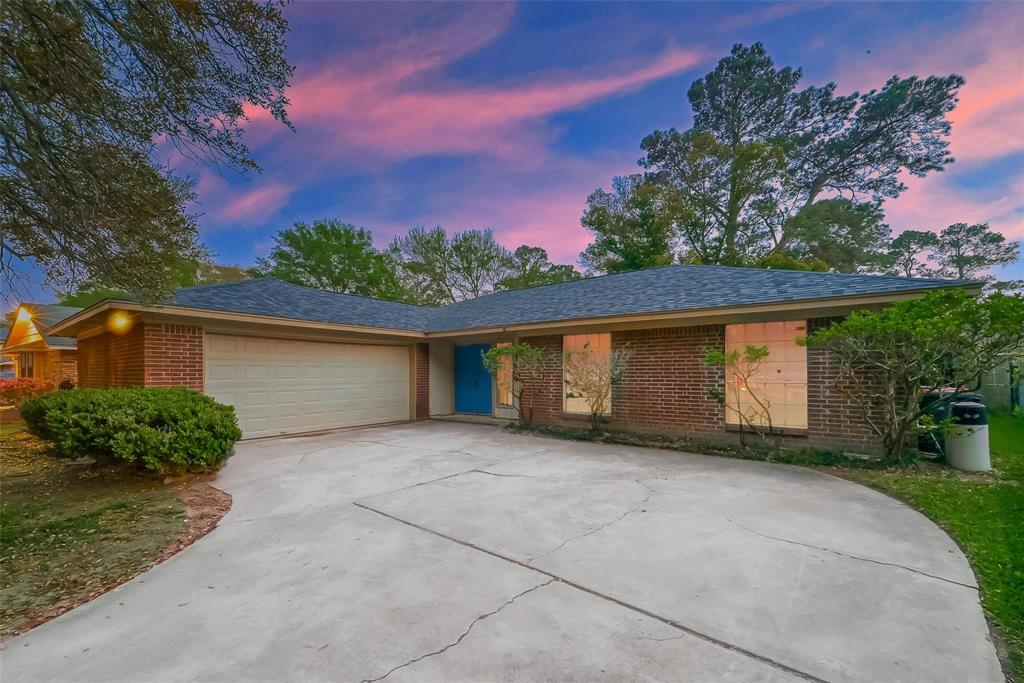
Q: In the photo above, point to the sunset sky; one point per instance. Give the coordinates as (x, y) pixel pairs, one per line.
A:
(508, 116)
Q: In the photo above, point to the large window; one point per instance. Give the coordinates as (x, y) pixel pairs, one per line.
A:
(26, 365)
(597, 346)
(781, 382)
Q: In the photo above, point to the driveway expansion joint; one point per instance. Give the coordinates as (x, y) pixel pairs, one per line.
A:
(604, 596)
(463, 635)
(852, 557)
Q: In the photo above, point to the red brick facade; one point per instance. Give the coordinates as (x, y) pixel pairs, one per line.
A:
(422, 381)
(111, 360)
(150, 354)
(173, 356)
(833, 419)
(665, 390)
(62, 366)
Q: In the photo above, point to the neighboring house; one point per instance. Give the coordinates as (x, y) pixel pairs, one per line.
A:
(7, 370)
(292, 359)
(34, 352)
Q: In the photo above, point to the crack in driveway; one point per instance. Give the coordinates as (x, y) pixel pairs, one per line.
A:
(627, 513)
(465, 633)
(501, 474)
(603, 596)
(852, 557)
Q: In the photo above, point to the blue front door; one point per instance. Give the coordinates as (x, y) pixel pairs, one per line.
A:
(472, 381)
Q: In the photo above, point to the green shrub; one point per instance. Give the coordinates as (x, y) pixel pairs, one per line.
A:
(157, 429)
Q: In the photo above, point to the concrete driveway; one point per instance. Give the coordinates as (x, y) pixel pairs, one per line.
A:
(452, 552)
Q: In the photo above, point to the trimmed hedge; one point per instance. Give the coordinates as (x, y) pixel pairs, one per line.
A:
(154, 428)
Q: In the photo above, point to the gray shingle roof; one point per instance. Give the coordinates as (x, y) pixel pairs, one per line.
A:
(46, 316)
(267, 296)
(670, 288)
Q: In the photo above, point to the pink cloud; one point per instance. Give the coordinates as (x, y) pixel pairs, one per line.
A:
(390, 99)
(255, 205)
(767, 14)
(934, 203)
(988, 121)
(385, 114)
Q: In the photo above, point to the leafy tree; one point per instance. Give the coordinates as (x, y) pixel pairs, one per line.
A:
(776, 261)
(530, 267)
(179, 274)
(525, 367)
(965, 251)
(762, 152)
(715, 187)
(335, 256)
(439, 270)
(845, 235)
(90, 91)
(633, 227)
(592, 375)
(425, 265)
(946, 339)
(906, 255)
(479, 263)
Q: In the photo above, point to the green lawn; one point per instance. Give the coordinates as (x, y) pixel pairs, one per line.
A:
(985, 514)
(68, 530)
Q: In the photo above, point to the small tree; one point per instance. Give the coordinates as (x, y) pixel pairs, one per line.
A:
(742, 368)
(525, 364)
(886, 358)
(592, 375)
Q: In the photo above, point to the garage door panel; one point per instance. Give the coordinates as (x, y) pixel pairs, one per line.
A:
(285, 386)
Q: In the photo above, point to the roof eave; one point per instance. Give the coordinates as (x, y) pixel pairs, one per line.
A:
(850, 300)
(71, 325)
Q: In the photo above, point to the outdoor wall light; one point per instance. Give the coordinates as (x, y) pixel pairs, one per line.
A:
(119, 322)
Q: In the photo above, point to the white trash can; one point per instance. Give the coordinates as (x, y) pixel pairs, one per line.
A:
(967, 441)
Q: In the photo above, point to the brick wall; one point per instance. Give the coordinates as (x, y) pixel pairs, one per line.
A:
(147, 355)
(665, 390)
(547, 397)
(422, 381)
(173, 355)
(833, 419)
(111, 360)
(60, 366)
(666, 384)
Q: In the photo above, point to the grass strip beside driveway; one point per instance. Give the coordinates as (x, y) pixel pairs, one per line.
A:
(70, 530)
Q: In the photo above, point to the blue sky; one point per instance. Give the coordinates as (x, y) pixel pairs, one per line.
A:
(508, 116)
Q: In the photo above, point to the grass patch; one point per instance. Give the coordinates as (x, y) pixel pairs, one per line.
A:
(71, 529)
(985, 514)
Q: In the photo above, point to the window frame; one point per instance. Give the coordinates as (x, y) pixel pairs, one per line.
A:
(565, 399)
(763, 337)
(505, 367)
(26, 365)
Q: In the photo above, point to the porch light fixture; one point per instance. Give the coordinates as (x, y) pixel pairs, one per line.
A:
(119, 322)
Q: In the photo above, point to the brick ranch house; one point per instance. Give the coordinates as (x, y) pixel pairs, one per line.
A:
(34, 351)
(292, 359)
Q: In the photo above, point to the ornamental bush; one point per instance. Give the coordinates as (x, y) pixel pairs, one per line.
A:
(156, 429)
(14, 391)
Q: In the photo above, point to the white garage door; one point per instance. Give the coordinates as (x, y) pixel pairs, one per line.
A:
(281, 386)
